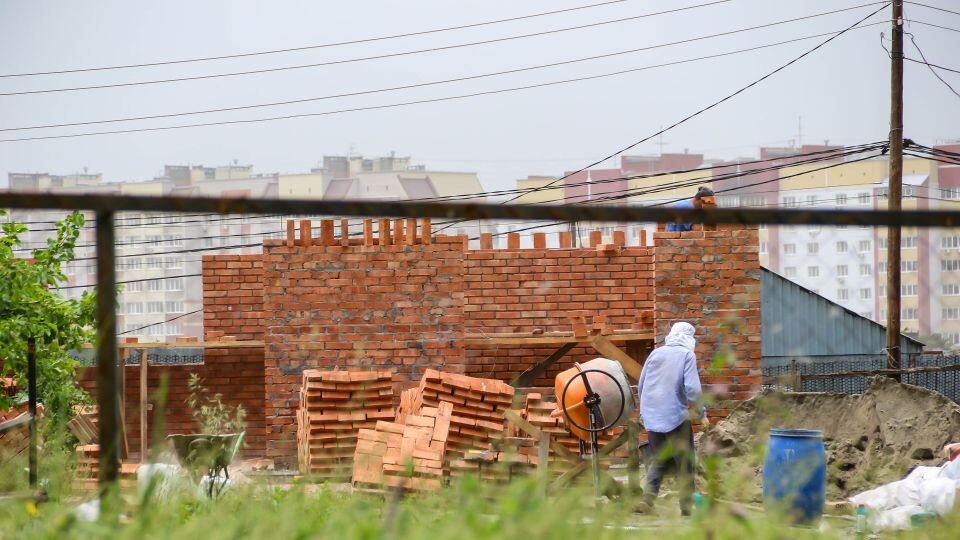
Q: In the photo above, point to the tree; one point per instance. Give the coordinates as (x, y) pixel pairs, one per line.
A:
(936, 342)
(31, 307)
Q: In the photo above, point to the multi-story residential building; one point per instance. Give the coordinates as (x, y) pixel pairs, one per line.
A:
(159, 255)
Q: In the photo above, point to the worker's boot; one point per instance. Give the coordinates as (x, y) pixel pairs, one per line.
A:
(646, 505)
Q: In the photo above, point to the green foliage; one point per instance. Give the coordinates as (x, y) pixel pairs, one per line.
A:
(211, 415)
(31, 307)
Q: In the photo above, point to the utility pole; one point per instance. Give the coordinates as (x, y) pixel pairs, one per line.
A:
(895, 186)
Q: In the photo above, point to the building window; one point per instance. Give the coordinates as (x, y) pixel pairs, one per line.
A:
(790, 249)
(863, 198)
(842, 246)
(843, 294)
(951, 289)
(842, 270)
(174, 240)
(882, 290)
(154, 307)
(763, 247)
(154, 240)
(154, 263)
(950, 193)
(908, 266)
(950, 242)
(174, 307)
(789, 201)
(910, 314)
(813, 271)
(133, 308)
(135, 286)
(866, 293)
(174, 329)
(842, 199)
(909, 290)
(908, 242)
(864, 246)
(882, 267)
(950, 265)
(790, 271)
(951, 314)
(173, 262)
(866, 270)
(154, 285)
(811, 200)
(175, 284)
(813, 248)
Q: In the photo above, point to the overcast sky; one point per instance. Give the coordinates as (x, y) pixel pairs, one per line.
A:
(841, 91)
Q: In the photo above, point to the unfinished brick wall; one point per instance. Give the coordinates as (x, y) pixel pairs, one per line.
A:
(233, 296)
(712, 280)
(235, 373)
(522, 290)
(397, 305)
(403, 302)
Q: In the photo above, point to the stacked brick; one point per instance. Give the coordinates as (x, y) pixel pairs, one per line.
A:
(408, 455)
(478, 405)
(334, 407)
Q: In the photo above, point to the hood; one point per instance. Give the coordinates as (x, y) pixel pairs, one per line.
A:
(682, 334)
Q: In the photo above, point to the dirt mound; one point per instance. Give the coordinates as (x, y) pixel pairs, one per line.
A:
(870, 438)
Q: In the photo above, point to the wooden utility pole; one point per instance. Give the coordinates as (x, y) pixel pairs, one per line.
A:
(895, 185)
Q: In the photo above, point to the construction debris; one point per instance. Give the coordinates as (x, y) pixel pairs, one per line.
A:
(870, 439)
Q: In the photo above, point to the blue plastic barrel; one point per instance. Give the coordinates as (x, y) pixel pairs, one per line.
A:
(795, 474)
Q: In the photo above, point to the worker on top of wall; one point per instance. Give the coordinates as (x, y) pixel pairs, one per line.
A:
(703, 199)
(669, 384)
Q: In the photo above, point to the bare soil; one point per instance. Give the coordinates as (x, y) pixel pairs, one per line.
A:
(870, 438)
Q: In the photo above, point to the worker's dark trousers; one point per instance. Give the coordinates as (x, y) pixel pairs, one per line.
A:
(673, 449)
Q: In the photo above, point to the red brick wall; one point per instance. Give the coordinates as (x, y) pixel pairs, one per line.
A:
(233, 296)
(528, 289)
(398, 307)
(235, 373)
(711, 279)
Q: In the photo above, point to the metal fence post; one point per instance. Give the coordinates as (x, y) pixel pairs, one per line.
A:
(32, 406)
(107, 370)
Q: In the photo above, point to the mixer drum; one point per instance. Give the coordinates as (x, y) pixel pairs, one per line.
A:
(606, 387)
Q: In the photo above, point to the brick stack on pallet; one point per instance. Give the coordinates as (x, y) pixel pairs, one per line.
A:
(88, 463)
(478, 406)
(408, 455)
(334, 407)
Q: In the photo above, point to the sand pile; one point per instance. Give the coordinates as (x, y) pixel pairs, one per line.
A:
(870, 438)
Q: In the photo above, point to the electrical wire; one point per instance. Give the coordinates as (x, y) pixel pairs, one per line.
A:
(431, 100)
(722, 100)
(932, 25)
(928, 64)
(349, 60)
(935, 74)
(432, 83)
(132, 330)
(310, 47)
(932, 7)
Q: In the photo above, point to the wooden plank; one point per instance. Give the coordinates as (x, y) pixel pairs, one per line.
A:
(550, 338)
(527, 377)
(583, 465)
(535, 432)
(605, 347)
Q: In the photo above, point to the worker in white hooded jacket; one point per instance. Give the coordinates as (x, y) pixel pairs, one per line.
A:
(669, 385)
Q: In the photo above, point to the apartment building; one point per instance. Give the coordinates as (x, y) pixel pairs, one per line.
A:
(159, 255)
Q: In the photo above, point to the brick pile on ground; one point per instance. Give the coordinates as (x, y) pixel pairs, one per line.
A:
(408, 455)
(88, 461)
(17, 440)
(478, 405)
(334, 406)
(511, 459)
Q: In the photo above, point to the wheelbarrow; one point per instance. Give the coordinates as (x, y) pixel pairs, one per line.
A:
(207, 455)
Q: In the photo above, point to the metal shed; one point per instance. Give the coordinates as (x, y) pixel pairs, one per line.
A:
(798, 324)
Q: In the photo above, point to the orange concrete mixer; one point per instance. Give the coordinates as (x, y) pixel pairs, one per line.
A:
(601, 385)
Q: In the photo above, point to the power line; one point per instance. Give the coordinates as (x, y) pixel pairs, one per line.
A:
(934, 7)
(722, 100)
(935, 74)
(132, 330)
(430, 83)
(928, 64)
(409, 103)
(351, 60)
(141, 280)
(325, 45)
(932, 25)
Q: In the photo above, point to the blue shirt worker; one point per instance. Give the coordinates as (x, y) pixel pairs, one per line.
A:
(703, 199)
(669, 385)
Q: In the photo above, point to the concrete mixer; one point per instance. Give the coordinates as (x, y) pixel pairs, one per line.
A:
(593, 397)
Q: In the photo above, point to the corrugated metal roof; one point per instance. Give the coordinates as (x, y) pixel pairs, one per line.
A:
(799, 322)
